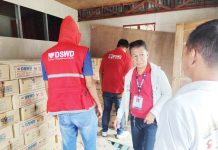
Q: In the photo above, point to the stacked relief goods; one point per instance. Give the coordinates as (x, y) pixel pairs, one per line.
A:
(96, 62)
(24, 124)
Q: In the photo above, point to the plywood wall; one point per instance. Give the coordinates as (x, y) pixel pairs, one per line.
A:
(160, 44)
(182, 32)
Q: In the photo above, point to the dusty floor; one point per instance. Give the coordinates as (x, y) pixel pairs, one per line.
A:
(110, 142)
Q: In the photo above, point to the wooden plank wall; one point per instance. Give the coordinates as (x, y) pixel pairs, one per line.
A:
(160, 44)
(182, 32)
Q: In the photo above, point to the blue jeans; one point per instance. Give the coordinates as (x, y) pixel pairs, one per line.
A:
(143, 135)
(109, 99)
(85, 122)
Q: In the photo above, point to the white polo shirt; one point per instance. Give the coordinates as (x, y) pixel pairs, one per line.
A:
(189, 121)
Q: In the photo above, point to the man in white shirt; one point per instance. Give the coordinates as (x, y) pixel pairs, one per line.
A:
(189, 121)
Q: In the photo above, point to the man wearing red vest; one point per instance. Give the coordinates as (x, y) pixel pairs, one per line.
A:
(72, 95)
(115, 64)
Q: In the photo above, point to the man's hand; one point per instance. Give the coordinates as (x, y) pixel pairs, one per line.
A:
(117, 124)
(120, 95)
(99, 111)
(149, 119)
(90, 84)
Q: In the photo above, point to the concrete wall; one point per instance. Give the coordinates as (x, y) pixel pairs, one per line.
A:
(22, 48)
(164, 21)
(25, 48)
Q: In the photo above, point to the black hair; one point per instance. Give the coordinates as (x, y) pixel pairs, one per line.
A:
(138, 43)
(123, 43)
(204, 39)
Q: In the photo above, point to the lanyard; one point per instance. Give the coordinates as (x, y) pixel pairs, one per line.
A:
(139, 86)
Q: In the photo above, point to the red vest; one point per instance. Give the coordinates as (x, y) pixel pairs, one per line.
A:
(114, 66)
(66, 84)
(146, 93)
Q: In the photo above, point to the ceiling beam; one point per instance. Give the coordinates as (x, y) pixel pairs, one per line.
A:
(140, 7)
(158, 5)
(184, 3)
(136, 7)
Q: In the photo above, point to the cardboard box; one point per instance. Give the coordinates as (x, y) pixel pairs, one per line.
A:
(30, 84)
(6, 134)
(29, 98)
(17, 143)
(5, 146)
(4, 72)
(96, 62)
(9, 88)
(25, 126)
(54, 146)
(50, 145)
(57, 128)
(9, 118)
(58, 139)
(46, 129)
(58, 131)
(1, 89)
(58, 145)
(23, 69)
(12, 145)
(37, 145)
(32, 110)
(52, 139)
(98, 85)
(112, 119)
(5, 104)
(96, 73)
(5, 61)
(32, 135)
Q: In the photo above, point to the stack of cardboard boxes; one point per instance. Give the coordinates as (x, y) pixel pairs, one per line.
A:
(24, 124)
(96, 62)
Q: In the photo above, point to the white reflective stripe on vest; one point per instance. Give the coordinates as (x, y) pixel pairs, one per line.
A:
(65, 75)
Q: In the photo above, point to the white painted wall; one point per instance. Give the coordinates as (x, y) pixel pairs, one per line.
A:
(164, 21)
(25, 48)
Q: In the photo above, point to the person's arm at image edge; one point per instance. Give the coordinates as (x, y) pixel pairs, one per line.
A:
(166, 94)
(90, 84)
(45, 77)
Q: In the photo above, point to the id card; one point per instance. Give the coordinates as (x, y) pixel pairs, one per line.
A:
(137, 102)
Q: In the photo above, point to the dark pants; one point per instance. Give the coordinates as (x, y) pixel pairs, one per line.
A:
(109, 99)
(143, 135)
